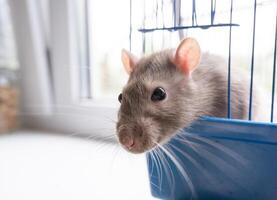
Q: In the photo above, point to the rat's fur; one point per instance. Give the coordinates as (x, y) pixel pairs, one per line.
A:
(188, 98)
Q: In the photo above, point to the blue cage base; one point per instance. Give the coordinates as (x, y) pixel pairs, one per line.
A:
(217, 159)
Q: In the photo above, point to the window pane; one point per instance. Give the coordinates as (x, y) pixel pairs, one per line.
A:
(109, 33)
(106, 28)
(82, 45)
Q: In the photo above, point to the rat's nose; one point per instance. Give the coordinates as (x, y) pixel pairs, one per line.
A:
(127, 141)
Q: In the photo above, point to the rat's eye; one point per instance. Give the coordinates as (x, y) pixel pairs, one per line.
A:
(120, 97)
(159, 94)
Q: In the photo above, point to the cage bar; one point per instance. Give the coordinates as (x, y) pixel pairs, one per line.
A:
(229, 114)
(173, 28)
(130, 26)
(252, 63)
(274, 72)
(194, 16)
(213, 8)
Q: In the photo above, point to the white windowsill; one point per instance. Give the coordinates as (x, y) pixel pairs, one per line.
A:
(42, 165)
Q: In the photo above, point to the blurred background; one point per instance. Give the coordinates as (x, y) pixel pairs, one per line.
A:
(62, 57)
(60, 72)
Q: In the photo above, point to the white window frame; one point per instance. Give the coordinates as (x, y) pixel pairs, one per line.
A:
(33, 74)
(59, 108)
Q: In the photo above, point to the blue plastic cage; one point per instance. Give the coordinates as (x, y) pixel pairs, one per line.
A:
(216, 158)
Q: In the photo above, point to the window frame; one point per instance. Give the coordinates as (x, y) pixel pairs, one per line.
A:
(33, 73)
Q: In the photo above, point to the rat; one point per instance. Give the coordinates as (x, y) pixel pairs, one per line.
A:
(168, 90)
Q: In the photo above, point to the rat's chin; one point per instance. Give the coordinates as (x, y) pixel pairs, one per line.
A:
(138, 149)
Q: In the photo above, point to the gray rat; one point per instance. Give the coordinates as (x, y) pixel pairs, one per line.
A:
(168, 90)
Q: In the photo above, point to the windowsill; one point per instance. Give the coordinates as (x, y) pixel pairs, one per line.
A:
(87, 118)
(42, 165)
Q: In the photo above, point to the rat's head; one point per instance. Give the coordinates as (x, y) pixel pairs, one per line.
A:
(155, 103)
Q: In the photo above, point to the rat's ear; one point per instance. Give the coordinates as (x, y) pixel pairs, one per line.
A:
(187, 55)
(129, 60)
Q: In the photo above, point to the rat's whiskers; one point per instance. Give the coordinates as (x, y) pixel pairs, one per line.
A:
(168, 170)
(159, 169)
(178, 165)
(231, 153)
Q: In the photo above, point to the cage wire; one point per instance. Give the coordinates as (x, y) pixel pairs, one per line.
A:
(171, 16)
(204, 152)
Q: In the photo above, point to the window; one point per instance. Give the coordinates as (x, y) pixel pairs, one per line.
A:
(7, 43)
(101, 32)
(106, 29)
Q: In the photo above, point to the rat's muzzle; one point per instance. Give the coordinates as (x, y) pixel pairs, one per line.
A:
(134, 138)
